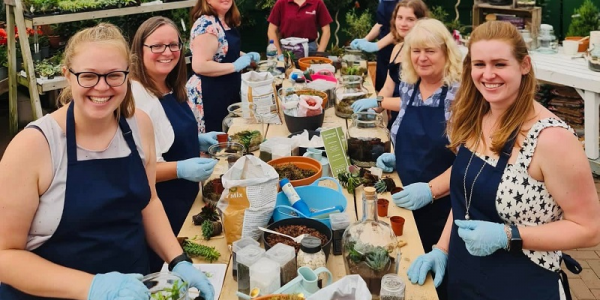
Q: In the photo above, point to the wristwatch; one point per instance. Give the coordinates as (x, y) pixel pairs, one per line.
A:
(178, 259)
(516, 243)
(379, 100)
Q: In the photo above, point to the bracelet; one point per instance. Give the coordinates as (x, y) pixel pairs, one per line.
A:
(178, 259)
(432, 195)
(508, 236)
(435, 246)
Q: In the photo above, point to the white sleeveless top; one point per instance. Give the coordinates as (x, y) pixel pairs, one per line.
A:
(49, 212)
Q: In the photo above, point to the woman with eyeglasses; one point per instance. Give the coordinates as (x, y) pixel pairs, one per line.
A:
(216, 60)
(78, 198)
(158, 85)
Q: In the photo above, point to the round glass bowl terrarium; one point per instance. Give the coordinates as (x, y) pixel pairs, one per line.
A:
(368, 138)
(369, 246)
(166, 286)
(227, 153)
(348, 91)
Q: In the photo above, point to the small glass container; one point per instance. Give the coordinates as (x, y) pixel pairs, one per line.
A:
(234, 111)
(369, 245)
(339, 223)
(311, 255)
(236, 247)
(354, 63)
(285, 255)
(368, 138)
(594, 58)
(349, 90)
(264, 275)
(245, 259)
(392, 287)
(166, 285)
(547, 42)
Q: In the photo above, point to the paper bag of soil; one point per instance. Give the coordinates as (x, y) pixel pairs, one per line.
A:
(259, 88)
(249, 197)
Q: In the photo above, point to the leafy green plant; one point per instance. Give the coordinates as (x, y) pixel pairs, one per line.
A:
(196, 250)
(350, 179)
(3, 56)
(440, 14)
(208, 212)
(585, 19)
(207, 229)
(358, 25)
(377, 259)
(172, 293)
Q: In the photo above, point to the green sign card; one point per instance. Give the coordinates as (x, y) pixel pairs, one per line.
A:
(336, 148)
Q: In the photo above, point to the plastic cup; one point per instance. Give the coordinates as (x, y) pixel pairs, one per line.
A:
(570, 47)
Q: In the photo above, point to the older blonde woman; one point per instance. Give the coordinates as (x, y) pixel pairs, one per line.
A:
(431, 69)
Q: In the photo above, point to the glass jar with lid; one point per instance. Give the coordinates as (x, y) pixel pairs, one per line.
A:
(368, 138)
(594, 58)
(369, 246)
(311, 255)
(349, 90)
(353, 63)
(547, 42)
(392, 287)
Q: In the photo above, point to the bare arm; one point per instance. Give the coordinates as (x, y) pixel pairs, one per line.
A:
(391, 103)
(26, 173)
(273, 34)
(159, 235)
(204, 47)
(166, 171)
(444, 241)
(440, 186)
(373, 33)
(385, 41)
(568, 177)
(325, 35)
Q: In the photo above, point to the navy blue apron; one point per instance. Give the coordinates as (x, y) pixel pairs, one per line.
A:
(501, 275)
(394, 73)
(178, 195)
(421, 155)
(221, 91)
(101, 227)
(385, 9)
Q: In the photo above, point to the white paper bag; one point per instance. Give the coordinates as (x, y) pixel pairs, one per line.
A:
(259, 88)
(350, 287)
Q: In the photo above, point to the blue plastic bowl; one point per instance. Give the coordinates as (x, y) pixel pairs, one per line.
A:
(316, 197)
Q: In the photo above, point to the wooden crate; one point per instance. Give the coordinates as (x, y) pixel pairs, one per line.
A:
(484, 3)
(532, 16)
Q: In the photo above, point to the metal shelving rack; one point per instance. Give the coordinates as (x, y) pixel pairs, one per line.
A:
(15, 17)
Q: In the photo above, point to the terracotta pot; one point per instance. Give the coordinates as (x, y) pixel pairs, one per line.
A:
(302, 163)
(222, 138)
(583, 45)
(397, 190)
(382, 207)
(55, 41)
(397, 223)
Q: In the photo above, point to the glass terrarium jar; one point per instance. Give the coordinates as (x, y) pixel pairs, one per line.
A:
(348, 91)
(227, 153)
(547, 42)
(369, 246)
(166, 285)
(368, 138)
(594, 58)
(353, 63)
(235, 111)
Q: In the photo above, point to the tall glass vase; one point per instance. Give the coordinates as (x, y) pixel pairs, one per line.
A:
(369, 245)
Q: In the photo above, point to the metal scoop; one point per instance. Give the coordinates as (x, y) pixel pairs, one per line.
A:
(297, 239)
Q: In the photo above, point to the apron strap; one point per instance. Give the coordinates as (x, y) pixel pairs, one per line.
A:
(575, 268)
(412, 97)
(507, 151)
(71, 141)
(442, 95)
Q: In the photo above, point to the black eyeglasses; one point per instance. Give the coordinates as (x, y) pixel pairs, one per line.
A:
(91, 79)
(160, 48)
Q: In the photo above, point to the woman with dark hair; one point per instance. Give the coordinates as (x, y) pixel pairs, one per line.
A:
(521, 186)
(158, 87)
(216, 60)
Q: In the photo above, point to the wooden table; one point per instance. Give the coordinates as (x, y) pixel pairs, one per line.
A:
(335, 263)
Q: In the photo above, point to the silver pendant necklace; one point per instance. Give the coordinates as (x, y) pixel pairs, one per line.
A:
(470, 198)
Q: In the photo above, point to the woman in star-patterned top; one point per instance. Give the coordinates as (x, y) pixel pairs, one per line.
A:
(521, 186)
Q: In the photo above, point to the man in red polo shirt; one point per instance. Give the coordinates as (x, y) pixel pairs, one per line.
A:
(301, 19)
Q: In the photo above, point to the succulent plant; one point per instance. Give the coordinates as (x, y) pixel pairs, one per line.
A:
(385, 184)
(377, 259)
(207, 229)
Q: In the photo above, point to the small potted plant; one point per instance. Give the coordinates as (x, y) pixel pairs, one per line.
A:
(585, 19)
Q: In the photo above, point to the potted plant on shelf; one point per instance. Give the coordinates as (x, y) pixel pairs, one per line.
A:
(585, 19)
(3, 62)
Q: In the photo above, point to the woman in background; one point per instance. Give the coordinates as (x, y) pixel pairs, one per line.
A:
(217, 61)
(158, 87)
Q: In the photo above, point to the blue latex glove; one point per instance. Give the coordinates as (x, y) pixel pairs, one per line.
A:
(366, 46)
(354, 43)
(195, 278)
(280, 57)
(413, 196)
(386, 162)
(196, 168)
(364, 104)
(254, 56)
(433, 261)
(118, 286)
(482, 238)
(208, 139)
(242, 62)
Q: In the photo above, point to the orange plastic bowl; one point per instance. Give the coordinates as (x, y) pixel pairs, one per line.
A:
(302, 163)
(305, 62)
